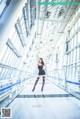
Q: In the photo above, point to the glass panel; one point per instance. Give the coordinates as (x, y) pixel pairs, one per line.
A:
(6, 56)
(2, 6)
(3, 52)
(9, 58)
(74, 58)
(79, 53)
(75, 40)
(2, 73)
(78, 37)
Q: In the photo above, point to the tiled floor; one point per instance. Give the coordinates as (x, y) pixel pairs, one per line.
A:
(52, 103)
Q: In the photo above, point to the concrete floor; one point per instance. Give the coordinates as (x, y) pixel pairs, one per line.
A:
(52, 103)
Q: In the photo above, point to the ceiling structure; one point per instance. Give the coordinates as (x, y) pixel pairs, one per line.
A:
(51, 22)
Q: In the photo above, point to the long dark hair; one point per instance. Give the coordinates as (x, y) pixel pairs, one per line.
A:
(42, 62)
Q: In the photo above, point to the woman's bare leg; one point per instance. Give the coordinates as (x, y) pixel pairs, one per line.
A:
(35, 83)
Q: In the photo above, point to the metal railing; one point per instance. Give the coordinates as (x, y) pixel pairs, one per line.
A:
(10, 87)
(69, 82)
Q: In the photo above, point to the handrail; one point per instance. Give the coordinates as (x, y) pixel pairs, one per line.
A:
(8, 87)
(10, 67)
(76, 83)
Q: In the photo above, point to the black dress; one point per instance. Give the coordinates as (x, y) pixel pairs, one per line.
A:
(41, 71)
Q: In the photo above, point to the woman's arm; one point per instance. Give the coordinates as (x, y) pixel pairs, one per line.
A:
(39, 64)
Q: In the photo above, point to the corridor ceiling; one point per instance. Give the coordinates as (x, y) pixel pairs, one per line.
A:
(51, 22)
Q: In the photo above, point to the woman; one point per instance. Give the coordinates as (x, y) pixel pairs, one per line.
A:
(41, 73)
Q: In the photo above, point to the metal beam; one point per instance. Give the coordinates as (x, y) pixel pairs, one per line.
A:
(11, 46)
(53, 20)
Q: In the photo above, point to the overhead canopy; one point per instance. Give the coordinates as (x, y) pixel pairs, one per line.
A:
(51, 22)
